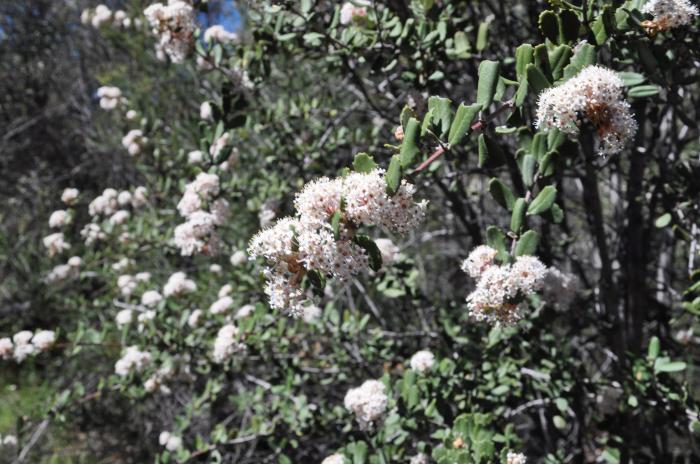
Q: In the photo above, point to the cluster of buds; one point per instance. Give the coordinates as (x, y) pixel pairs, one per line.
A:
(594, 97)
(174, 25)
(198, 233)
(322, 240)
(101, 16)
(64, 271)
(501, 289)
(368, 402)
(26, 343)
(134, 141)
(110, 97)
(668, 14)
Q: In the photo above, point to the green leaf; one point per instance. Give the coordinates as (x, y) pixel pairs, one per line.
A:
(527, 169)
(543, 201)
(218, 53)
(584, 56)
(441, 109)
(375, 256)
(406, 114)
(488, 80)
(631, 79)
(393, 175)
(643, 91)
(548, 25)
(523, 56)
(409, 146)
(482, 35)
(569, 25)
(654, 348)
(527, 244)
(663, 220)
(496, 239)
(501, 193)
(516, 219)
(359, 452)
(461, 125)
(538, 147)
(490, 152)
(666, 365)
(335, 223)
(559, 59)
(535, 79)
(364, 163)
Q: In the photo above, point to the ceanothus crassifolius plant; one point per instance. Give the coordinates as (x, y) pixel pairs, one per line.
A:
(373, 231)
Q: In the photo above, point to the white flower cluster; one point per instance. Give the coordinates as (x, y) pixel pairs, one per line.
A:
(198, 233)
(355, 10)
(110, 97)
(227, 344)
(295, 246)
(594, 96)
(55, 244)
(334, 459)
(419, 458)
(134, 141)
(174, 25)
(26, 343)
(368, 402)
(127, 283)
(169, 441)
(102, 15)
(8, 441)
(70, 195)
(113, 204)
(64, 271)
(132, 360)
(422, 361)
(59, 218)
(515, 458)
(156, 382)
(151, 298)
(218, 34)
(500, 289)
(669, 14)
(178, 284)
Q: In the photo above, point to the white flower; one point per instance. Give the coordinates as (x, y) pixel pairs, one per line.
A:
(174, 443)
(10, 441)
(44, 339)
(119, 218)
(334, 459)
(134, 141)
(353, 11)
(132, 360)
(244, 311)
(669, 14)
(595, 96)
(6, 348)
(75, 261)
(419, 458)
(368, 402)
(124, 317)
(422, 361)
(219, 144)
(59, 218)
(311, 313)
(174, 25)
(143, 276)
(195, 157)
(122, 264)
(388, 250)
(151, 298)
(206, 112)
(266, 216)
(58, 273)
(55, 244)
(226, 344)
(479, 259)
(131, 115)
(124, 198)
(515, 458)
(163, 438)
(215, 268)
(239, 258)
(197, 234)
(102, 15)
(69, 195)
(221, 305)
(217, 33)
(193, 319)
(92, 233)
(140, 197)
(527, 274)
(110, 97)
(179, 284)
(225, 290)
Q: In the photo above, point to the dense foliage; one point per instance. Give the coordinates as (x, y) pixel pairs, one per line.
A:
(376, 231)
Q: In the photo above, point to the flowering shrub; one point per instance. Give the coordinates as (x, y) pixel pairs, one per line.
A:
(266, 263)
